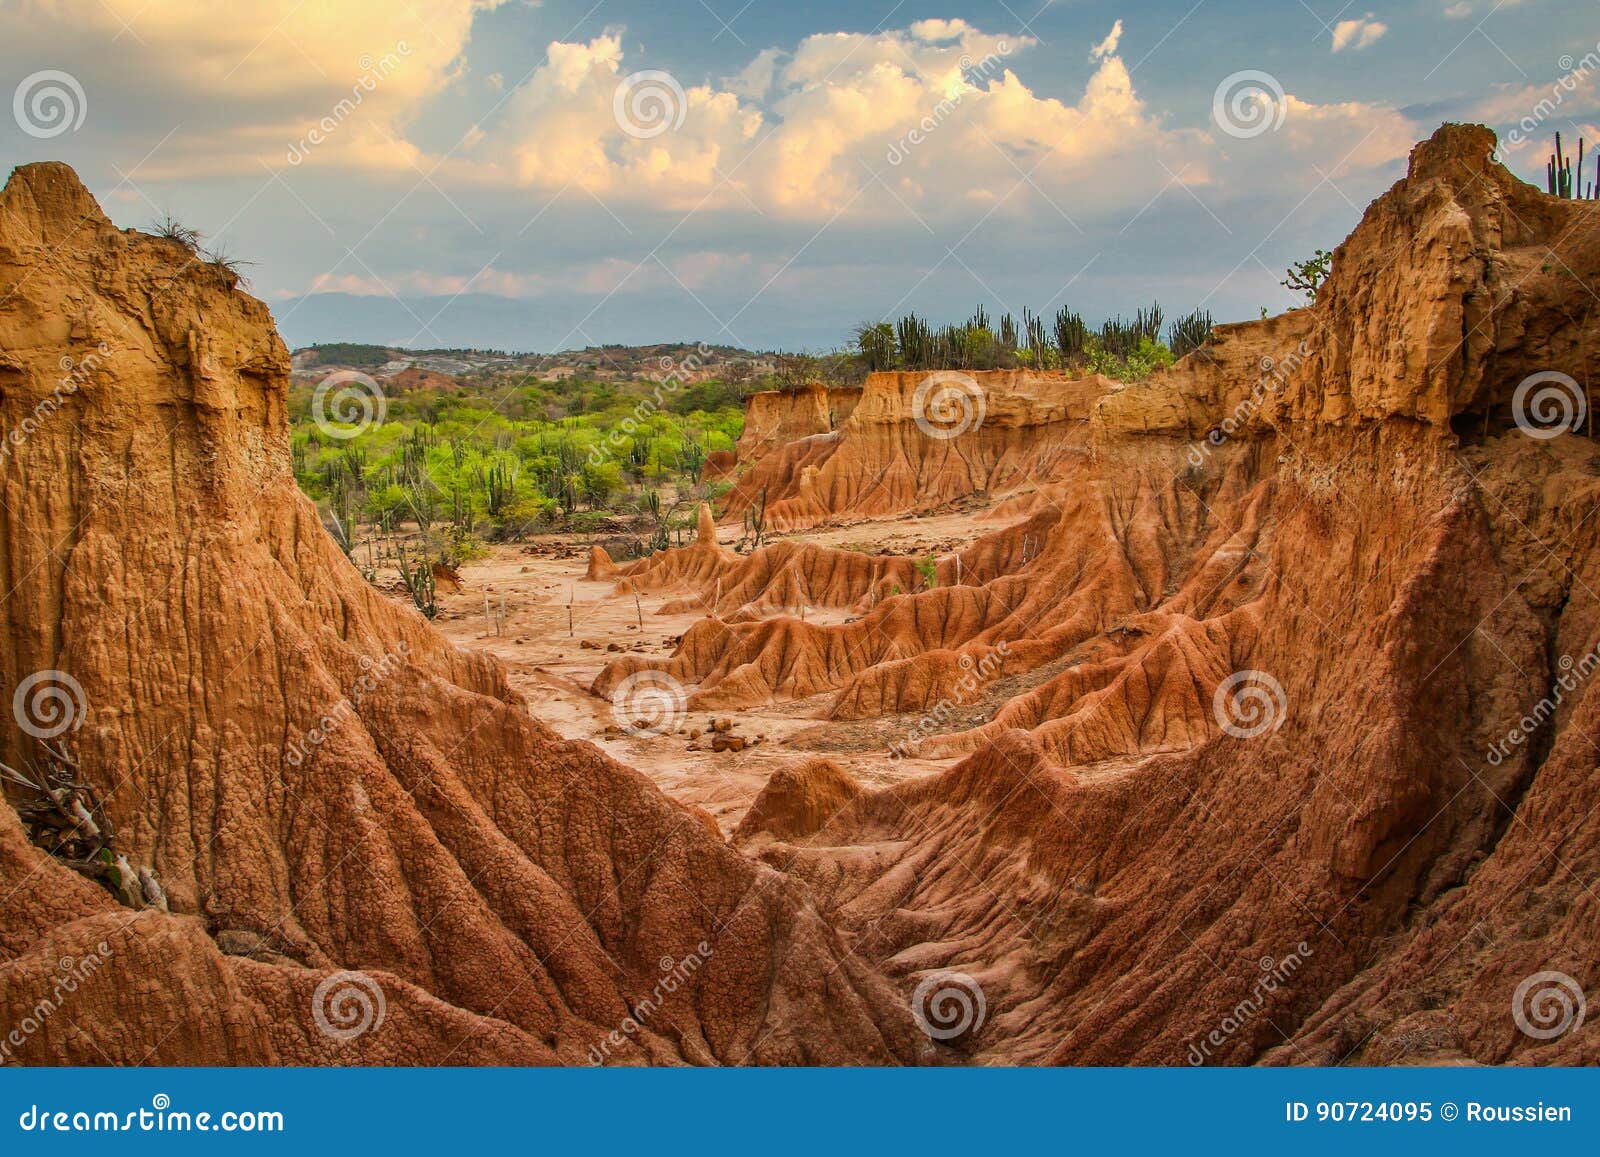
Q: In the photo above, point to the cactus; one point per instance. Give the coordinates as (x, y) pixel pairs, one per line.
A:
(1147, 323)
(755, 523)
(424, 506)
(1118, 337)
(1190, 332)
(1033, 338)
(341, 517)
(1562, 179)
(1072, 337)
(419, 583)
(500, 484)
(915, 341)
(692, 458)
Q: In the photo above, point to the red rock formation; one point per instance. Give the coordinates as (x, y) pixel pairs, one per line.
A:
(1287, 605)
(994, 430)
(316, 779)
(798, 801)
(773, 418)
(1295, 761)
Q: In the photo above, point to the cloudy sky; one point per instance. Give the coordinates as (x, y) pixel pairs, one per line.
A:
(541, 174)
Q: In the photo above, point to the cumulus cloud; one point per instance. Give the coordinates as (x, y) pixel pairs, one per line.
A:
(1108, 46)
(1358, 33)
(936, 118)
(856, 141)
(935, 115)
(247, 86)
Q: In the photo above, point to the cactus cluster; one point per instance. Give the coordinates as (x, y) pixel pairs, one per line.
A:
(1563, 180)
(419, 582)
(1189, 332)
(1072, 337)
(1124, 348)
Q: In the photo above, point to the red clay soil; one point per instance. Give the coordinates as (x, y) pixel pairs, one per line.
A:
(773, 418)
(1296, 760)
(880, 461)
(312, 777)
(1294, 594)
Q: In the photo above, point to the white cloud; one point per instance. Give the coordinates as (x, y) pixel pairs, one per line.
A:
(696, 270)
(1108, 46)
(754, 81)
(247, 85)
(1459, 10)
(935, 118)
(1357, 34)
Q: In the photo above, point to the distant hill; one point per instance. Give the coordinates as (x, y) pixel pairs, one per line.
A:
(598, 363)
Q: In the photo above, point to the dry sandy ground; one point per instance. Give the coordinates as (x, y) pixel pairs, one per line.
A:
(549, 663)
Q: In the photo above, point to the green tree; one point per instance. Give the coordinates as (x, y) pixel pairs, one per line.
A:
(1307, 276)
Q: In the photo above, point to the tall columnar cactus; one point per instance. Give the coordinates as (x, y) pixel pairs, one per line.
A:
(500, 483)
(1033, 336)
(419, 583)
(1147, 323)
(1562, 179)
(1190, 332)
(755, 522)
(1072, 337)
(692, 458)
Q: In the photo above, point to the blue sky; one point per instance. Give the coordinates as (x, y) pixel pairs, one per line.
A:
(492, 172)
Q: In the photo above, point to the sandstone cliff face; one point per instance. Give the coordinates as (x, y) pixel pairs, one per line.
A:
(1254, 634)
(991, 430)
(773, 419)
(1265, 629)
(316, 779)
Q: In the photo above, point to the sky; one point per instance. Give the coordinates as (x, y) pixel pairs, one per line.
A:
(536, 175)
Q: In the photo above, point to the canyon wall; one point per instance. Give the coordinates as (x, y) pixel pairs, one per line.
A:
(314, 781)
(1296, 756)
